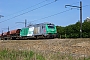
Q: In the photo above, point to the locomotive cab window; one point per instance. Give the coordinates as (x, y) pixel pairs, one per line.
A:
(50, 26)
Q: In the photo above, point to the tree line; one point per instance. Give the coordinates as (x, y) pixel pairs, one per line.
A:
(73, 30)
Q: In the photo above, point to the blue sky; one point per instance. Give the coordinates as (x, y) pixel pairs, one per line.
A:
(13, 10)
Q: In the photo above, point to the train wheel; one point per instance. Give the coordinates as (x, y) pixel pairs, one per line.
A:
(37, 37)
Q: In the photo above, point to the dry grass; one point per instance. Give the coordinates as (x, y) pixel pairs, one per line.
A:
(51, 49)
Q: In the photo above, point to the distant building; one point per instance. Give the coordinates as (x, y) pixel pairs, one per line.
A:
(87, 19)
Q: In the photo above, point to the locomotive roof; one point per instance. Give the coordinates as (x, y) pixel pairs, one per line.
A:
(39, 24)
(43, 23)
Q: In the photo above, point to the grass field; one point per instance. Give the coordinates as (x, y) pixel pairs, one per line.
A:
(19, 55)
(48, 49)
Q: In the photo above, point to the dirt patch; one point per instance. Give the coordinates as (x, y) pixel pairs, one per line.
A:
(82, 44)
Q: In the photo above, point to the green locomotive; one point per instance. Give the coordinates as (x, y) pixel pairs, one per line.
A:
(43, 30)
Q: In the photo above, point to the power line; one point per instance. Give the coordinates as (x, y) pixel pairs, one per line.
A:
(28, 8)
(32, 6)
(80, 8)
(25, 22)
(46, 17)
(56, 14)
(52, 15)
(28, 11)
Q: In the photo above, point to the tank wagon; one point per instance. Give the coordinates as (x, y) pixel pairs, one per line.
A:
(42, 30)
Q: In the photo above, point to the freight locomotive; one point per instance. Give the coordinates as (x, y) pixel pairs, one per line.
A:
(42, 30)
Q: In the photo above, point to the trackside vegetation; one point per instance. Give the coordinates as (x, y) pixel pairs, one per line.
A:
(30, 55)
(19, 55)
(73, 30)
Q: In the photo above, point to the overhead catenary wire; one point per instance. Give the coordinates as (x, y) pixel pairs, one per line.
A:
(47, 16)
(28, 11)
(56, 14)
(27, 8)
(5, 29)
(31, 10)
(31, 7)
(53, 15)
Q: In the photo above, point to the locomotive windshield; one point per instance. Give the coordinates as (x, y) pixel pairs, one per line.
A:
(50, 26)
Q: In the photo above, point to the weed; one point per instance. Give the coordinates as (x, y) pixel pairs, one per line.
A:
(39, 57)
(16, 55)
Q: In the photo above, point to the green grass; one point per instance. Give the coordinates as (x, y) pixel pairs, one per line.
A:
(31, 55)
(19, 55)
(87, 58)
(39, 57)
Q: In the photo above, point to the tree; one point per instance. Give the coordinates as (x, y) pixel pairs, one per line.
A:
(86, 29)
(73, 31)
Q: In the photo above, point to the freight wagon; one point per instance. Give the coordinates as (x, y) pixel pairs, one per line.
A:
(42, 30)
(13, 34)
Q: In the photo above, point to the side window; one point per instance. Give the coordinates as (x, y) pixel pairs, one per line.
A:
(42, 27)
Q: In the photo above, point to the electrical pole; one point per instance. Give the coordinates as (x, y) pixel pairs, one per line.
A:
(80, 7)
(2, 35)
(0, 17)
(8, 28)
(80, 19)
(25, 23)
(2, 32)
(7, 32)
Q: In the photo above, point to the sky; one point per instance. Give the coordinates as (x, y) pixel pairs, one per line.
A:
(39, 11)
